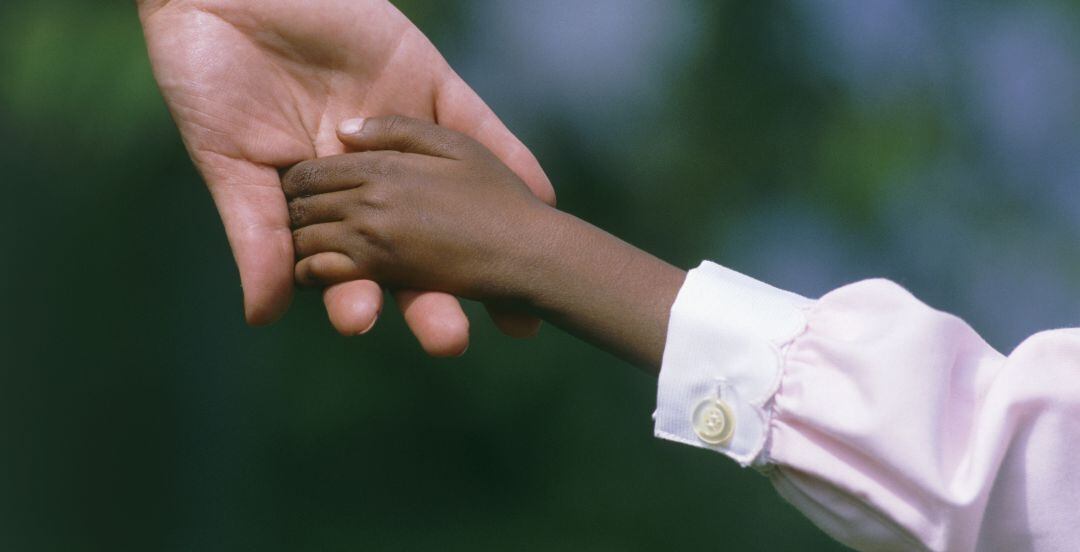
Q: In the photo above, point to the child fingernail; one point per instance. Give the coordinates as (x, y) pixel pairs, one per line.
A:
(351, 126)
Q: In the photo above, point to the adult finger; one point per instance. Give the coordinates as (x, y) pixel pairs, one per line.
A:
(353, 306)
(437, 321)
(252, 208)
(460, 108)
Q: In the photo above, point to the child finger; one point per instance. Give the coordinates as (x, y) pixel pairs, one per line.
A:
(405, 135)
(326, 269)
(337, 173)
(319, 238)
(317, 209)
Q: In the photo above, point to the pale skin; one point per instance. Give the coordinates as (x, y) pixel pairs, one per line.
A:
(256, 86)
(416, 205)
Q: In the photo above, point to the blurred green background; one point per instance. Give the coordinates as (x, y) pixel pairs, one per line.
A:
(808, 143)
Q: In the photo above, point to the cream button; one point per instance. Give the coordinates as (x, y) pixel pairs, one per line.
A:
(714, 422)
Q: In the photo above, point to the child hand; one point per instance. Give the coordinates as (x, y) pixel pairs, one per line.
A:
(419, 207)
(423, 207)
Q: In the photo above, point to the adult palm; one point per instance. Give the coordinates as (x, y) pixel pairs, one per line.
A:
(258, 85)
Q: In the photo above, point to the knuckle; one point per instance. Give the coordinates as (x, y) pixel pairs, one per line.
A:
(377, 197)
(403, 134)
(394, 123)
(297, 211)
(372, 230)
(382, 243)
(299, 239)
(361, 226)
(300, 180)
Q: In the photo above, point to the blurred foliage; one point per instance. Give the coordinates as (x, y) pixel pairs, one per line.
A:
(140, 413)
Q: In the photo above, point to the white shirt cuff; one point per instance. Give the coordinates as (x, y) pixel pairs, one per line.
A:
(723, 361)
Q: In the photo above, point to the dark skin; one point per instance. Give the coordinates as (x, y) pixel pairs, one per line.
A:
(418, 206)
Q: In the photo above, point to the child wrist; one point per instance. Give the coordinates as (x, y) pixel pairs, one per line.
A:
(535, 256)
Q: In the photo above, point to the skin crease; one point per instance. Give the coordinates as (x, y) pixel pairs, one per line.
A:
(256, 86)
(421, 206)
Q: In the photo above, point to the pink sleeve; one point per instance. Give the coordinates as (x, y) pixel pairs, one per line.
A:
(890, 425)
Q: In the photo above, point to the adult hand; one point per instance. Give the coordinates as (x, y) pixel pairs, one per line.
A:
(259, 85)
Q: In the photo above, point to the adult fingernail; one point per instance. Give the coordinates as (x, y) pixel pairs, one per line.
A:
(370, 326)
(351, 126)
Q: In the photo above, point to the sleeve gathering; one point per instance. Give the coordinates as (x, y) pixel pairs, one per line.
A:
(891, 425)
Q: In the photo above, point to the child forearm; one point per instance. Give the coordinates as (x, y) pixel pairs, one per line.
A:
(600, 288)
(422, 207)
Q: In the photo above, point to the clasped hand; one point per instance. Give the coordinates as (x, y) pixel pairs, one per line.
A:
(416, 206)
(258, 85)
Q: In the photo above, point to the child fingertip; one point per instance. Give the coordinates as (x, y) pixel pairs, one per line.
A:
(351, 126)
